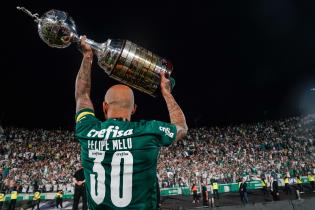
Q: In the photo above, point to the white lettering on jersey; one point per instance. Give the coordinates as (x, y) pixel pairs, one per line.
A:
(110, 131)
(120, 144)
(98, 145)
(167, 131)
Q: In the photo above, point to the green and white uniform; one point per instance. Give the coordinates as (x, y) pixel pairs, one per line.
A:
(119, 160)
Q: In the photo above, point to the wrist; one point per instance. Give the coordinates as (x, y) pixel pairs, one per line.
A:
(88, 56)
(166, 93)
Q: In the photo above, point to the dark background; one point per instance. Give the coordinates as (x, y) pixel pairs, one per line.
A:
(234, 61)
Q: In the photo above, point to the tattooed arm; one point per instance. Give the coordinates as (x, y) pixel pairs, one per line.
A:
(176, 114)
(83, 81)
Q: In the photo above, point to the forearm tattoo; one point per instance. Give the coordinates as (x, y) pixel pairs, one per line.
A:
(177, 116)
(83, 85)
(168, 86)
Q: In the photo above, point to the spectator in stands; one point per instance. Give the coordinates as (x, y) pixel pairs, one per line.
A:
(59, 198)
(1, 170)
(79, 190)
(287, 188)
(243, 191)
(36, 200)
(215, 187)
(194, 189)
(2, 199)
(299, 187)
(264, 186)
(275, 189)
(299, 184)
(14, 195)
(158, 200)
(210, 195)
(205, 197)
(311, 179)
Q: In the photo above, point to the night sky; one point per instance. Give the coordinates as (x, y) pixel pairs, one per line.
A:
(234, 61)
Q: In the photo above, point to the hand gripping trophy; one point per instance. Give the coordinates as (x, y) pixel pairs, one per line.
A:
(122, 60)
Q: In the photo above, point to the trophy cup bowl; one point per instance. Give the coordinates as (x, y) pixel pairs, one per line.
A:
(56, 28)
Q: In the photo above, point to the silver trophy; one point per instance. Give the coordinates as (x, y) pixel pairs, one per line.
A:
(122, 60)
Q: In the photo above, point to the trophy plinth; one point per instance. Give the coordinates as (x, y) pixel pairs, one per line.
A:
(122, 60)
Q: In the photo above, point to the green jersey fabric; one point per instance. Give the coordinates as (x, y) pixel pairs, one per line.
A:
(119, 160)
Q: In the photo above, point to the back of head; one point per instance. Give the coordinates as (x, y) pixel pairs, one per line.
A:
(120, 96)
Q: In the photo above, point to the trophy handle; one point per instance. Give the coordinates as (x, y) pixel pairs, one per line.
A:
(96, 47)
(29, 13)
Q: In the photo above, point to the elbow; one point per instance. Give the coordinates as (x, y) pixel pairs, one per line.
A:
(181, 132)
(185, 131)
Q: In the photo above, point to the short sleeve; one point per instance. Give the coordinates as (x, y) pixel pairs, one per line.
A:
(165, 132)
(85, 120)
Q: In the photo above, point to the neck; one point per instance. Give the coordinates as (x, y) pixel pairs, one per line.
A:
(121, 114)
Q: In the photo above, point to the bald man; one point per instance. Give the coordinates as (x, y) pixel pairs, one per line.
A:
(119, 157)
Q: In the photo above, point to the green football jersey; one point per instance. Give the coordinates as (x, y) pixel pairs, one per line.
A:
(119, 160)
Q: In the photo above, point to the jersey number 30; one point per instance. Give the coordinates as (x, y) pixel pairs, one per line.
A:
(98, 188)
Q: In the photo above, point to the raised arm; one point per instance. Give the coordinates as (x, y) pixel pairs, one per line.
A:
(83, 81)
(177, 116)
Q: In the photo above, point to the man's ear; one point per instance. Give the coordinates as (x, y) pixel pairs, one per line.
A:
(134, 109)
(105, 108)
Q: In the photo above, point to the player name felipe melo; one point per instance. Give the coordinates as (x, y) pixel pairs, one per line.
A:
(103, 145)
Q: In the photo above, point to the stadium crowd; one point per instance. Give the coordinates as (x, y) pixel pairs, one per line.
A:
(38, 158)
(271, 148)
(48, 159)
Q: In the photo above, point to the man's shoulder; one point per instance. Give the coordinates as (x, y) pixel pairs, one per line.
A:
(84, 113)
